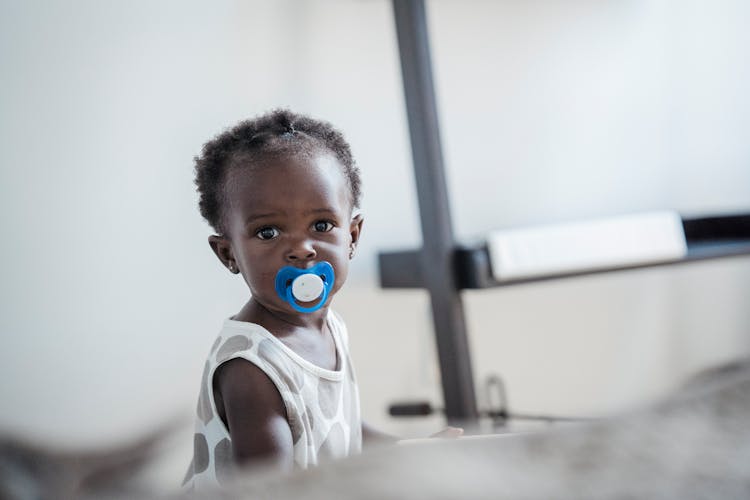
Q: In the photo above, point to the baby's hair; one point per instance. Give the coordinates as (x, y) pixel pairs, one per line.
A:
(277, 133)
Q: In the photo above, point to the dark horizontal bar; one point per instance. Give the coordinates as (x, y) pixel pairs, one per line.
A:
(478, 274)
(707, 238)
(726, 227)
(400, 269)
(410, 409)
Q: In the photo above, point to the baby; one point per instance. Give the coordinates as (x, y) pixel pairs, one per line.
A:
(282, 193)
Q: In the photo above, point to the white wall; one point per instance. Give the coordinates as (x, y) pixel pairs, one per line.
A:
(551, 110)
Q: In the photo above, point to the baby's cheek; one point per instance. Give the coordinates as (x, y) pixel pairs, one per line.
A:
(342, 271)
(264, 281)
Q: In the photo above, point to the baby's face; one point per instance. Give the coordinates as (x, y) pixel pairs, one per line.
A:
(289, 212)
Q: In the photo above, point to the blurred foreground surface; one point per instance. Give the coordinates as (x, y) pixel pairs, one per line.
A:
(695, 444)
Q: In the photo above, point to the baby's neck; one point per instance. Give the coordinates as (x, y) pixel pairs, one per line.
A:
(280, 323)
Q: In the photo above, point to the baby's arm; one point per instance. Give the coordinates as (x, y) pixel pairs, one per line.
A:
(255, 414)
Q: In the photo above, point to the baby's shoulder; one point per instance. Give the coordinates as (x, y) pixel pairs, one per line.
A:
(239, 339)
(337, 324)
(245, 382)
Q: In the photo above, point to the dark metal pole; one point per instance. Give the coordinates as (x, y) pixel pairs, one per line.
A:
(437, 232)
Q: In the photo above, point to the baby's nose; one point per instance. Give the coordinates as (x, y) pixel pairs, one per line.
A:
(301, 250)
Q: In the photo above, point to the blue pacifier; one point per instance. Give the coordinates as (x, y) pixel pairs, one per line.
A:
(305, 285)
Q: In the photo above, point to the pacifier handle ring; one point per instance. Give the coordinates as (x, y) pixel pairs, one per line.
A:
(290, 298)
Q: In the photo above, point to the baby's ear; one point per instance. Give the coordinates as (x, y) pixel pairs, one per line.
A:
(355, 231)
(223, 250)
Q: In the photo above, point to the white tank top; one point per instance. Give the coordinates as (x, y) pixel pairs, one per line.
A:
(322, 406)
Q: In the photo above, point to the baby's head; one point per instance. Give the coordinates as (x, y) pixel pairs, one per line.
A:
(280, 190)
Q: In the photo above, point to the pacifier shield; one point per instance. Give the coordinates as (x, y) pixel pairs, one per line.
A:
(305, 285)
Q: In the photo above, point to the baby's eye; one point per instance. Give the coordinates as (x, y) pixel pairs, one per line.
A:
(323, 226)
(267, 233)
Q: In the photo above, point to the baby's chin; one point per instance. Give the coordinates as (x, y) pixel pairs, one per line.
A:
(281, 307)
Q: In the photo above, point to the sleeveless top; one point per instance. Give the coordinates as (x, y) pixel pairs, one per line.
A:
(322, 406)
